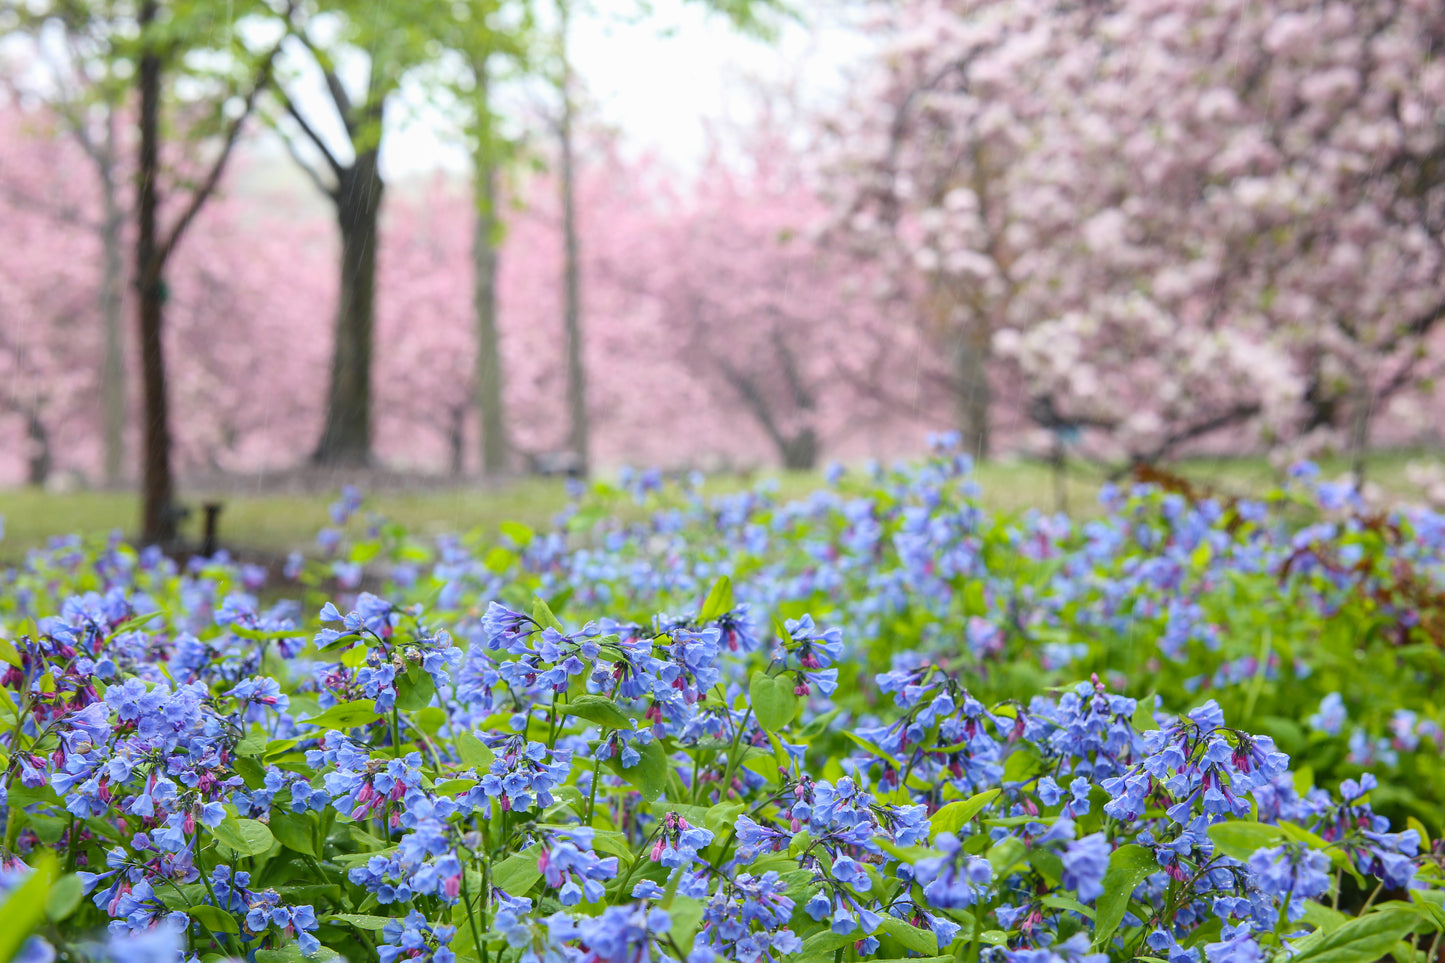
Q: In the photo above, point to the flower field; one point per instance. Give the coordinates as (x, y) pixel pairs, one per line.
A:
(877, 723)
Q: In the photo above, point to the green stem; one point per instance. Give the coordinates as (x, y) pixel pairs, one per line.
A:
(235, 944)
(471, 915)
(592, 795)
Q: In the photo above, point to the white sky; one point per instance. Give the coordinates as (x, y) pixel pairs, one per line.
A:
(663, 79)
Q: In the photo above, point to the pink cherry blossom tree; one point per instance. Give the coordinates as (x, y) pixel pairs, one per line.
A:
(1167, 219)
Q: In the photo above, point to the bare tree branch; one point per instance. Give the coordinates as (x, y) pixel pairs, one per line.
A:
(333, 83)
(207, 186)
(311, 134)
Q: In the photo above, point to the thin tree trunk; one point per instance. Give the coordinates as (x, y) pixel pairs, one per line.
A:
(968, 351)
(158, 518)
(1360, 430)
(346, 435)
(112, 371)
(490, 400)
(457, 440)
(577, 438)
(39, 461)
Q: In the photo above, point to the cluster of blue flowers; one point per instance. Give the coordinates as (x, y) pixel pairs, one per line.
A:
(449, 771)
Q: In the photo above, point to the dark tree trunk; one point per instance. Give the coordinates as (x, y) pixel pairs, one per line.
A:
(968, 356)
(39, 462)
(800, 452)
(457, 441)
(1364, 405)
(491, 404)
(112, 372)
(158, 517)
(577, 436)
(346, 435)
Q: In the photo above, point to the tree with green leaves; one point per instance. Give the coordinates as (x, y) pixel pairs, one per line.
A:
(383, 43)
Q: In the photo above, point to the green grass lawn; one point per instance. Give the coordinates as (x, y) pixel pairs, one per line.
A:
(277, 523)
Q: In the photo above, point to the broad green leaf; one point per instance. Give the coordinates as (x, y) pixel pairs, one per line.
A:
(520, 534)
(719, 600)
(649, 774)
(294, 831)
(454, 787)
(686, 916)
(345, 715)
(772, 700)
(518, 873)
(64, 898)
(954, 816)
(499, 559)
(429, 719)
(910, 937)
(244, 837)
(543, 616)
(1240, 839)
(291, 953)
(1362, 940)
(473, 751)
(213, 918)
(1005, 854)
(23, 910)
(597, 709)
(415, 689)
(1128, 867)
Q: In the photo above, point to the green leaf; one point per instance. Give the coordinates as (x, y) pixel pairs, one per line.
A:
(245, 837)
(1005, 854)
(825, 942)
(251, 771)
(520, 534)
(473, 751)
(363, 552)
(8, 653)
(291, 953)
(543, 616)
(911, 937)
(346, 715)
(956, 815)
(361, 922)
(1362, 940)
(213, 918)
(719, 600)
(454, 787)
(25, 907)
(772, 700)
(1240, 839)
(686, 916)
(415, 689)
(499, 559)
(651, 772)
(64, 898)
(1068, 903)
(429, 719)
(598, 709)
(294, 831)
(260, 635)
(517, 873)
(1128, 867)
